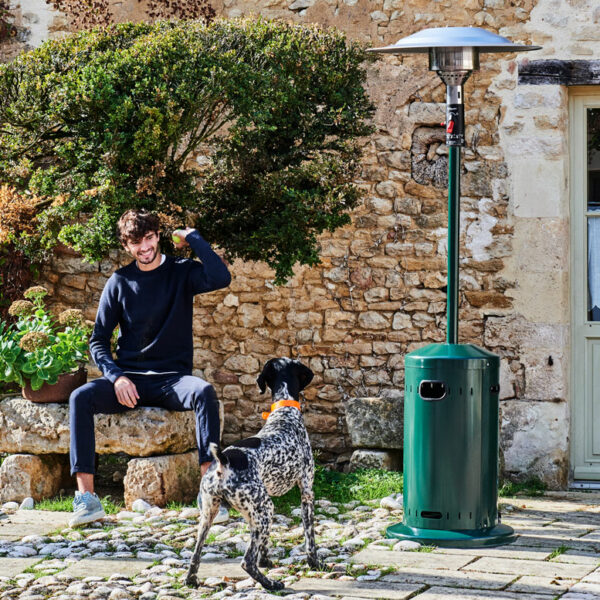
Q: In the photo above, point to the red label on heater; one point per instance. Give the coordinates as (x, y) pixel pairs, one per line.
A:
(450, 127)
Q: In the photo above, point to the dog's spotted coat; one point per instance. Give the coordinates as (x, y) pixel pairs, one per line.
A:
(269, 464)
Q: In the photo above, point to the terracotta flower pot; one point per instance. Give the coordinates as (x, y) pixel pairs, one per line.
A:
(60, 391)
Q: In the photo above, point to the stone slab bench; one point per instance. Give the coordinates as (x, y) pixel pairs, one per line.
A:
(165, 464)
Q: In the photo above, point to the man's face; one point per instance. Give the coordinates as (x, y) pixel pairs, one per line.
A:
(145, 251)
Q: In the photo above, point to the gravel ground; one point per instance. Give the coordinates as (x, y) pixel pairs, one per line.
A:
(167, 537)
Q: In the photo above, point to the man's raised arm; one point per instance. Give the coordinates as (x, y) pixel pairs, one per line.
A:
(212, 274)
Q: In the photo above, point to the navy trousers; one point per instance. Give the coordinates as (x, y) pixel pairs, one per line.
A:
(173, 392)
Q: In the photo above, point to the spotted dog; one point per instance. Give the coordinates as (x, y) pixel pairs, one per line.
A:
(247, 473)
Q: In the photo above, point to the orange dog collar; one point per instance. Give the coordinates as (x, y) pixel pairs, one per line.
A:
(280, 404)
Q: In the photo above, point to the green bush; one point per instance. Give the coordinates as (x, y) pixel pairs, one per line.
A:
(106, 120)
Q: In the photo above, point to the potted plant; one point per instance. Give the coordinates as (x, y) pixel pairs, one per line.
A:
(43, 354)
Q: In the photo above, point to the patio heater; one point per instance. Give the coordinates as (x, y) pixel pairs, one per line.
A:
(452, 390)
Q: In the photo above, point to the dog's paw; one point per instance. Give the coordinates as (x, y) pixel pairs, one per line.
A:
(191, 581)
(274, 586)
(265, 563)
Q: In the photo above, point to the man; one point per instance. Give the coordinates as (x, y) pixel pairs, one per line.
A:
(151, 301)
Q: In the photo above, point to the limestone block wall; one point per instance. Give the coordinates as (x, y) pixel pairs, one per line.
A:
(380, 289)
(534, 135)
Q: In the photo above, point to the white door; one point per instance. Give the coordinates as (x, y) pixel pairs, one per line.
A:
(585, 282)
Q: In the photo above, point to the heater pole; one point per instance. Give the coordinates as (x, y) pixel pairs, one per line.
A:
(453, 239)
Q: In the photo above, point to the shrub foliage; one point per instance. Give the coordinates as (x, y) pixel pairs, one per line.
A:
(112, 118)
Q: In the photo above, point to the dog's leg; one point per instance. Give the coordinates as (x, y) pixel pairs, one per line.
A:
(308, 519)
(210, 508)
(263, 551)
(268, 509)
(259, 517)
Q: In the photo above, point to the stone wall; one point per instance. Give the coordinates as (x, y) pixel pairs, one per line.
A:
(533, 132)
(380, 289)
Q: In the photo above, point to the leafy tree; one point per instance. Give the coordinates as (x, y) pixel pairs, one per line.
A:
(110, 119)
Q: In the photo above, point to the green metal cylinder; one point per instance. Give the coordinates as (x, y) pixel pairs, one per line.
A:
(451, 447)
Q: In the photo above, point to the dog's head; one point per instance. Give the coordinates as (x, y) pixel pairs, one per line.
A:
(279, 373)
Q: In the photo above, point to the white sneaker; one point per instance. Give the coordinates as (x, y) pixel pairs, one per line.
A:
(87, 508)
(222, 515)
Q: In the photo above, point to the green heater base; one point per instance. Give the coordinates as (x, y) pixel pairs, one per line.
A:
(462, 538)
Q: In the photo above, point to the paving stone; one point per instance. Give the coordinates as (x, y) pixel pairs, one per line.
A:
(483, 581)
(593, 577)
(568, 502)
(425, 560)
(529, 567)
(508, 551)
(101, 567)
(441, 593)
(585, 587)
(523, 523)
(354, 589)
(574, 496)
(218, 568)
(591, 558)
(582, 552)
(583, 518)
(32, 522)
(560, 533)
(549, 542)
(591, 536)
(9, 567)
(540, 585)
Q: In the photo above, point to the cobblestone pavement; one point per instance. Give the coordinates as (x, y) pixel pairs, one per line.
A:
(144, 556)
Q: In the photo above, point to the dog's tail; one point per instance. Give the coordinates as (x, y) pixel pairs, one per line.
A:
(220, 458)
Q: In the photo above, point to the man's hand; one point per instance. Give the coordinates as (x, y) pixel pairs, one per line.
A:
(126, 392)
(179, 236)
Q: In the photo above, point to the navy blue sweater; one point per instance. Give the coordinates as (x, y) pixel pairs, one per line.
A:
(153, 310)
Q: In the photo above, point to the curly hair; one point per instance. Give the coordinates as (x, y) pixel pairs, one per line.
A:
(135, 224)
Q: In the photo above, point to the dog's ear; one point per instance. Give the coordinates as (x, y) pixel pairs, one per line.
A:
(263, 378)
(262, 383)
(305, 375)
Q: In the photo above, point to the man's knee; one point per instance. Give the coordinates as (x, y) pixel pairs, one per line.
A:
(205, 392)
(84, 397)
(81, 397)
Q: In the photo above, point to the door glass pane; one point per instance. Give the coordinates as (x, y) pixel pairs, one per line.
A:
(593, 206)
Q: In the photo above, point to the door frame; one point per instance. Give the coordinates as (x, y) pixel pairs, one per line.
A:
(580, 98)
